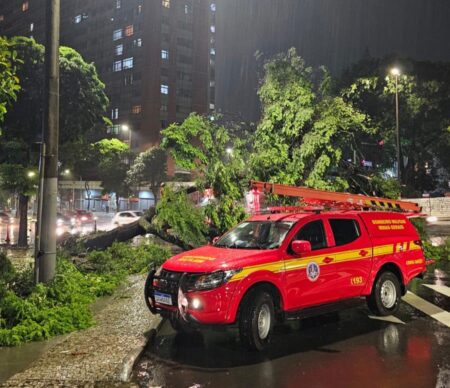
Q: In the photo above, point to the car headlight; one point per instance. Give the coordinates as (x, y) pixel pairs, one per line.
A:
(211, 280)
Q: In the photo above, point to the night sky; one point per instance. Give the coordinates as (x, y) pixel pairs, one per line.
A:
(335, 33)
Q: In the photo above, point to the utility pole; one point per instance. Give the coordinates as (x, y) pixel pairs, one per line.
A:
(47, 255)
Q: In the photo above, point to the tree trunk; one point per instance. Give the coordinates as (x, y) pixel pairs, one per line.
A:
(23, 221)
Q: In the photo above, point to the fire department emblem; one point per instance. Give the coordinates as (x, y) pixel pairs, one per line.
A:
(312, 271)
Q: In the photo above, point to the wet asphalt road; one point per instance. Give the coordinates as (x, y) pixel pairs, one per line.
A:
(346, 349)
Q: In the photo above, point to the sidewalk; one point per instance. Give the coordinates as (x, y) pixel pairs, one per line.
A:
(103, 355)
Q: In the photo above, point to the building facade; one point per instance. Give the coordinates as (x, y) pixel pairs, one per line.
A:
(156, 57)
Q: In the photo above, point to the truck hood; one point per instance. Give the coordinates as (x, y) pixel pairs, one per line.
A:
(210, 258)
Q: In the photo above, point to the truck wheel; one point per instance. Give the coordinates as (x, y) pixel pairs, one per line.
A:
(256, 319)
(385, 297)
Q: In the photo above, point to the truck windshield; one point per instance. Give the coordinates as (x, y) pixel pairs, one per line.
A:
(256, 235)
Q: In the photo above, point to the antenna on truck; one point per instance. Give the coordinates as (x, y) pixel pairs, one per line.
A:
(331, 199)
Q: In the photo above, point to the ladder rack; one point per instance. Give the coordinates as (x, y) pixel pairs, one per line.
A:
(336, 200)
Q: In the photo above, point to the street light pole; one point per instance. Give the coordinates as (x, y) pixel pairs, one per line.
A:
(396, 73)
(47, 254)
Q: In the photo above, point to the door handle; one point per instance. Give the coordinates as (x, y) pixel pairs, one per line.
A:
(327, 260)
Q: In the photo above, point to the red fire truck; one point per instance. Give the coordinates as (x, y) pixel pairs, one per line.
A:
(291, 263)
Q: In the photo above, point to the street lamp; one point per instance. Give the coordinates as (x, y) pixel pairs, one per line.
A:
(396, 73)
(31, 174)
(126, 128)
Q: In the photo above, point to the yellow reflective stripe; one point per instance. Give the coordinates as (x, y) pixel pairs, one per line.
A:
(383, 250)
(339, 257)
(276, 266)
(413, 246)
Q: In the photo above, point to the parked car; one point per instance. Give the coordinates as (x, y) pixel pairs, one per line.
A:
(126, 217)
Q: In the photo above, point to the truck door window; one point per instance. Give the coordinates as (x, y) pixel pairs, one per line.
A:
(344, 230)
(314, 233)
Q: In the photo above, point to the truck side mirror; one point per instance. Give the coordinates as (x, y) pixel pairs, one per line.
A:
(300, 247)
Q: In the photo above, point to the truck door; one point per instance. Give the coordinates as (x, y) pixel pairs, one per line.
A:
(352, 252)
(310, 279)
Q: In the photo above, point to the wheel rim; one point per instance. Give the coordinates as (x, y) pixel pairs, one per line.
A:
(388, 294)
(264, 321)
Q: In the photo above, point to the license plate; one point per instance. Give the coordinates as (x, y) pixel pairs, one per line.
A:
(163, 298)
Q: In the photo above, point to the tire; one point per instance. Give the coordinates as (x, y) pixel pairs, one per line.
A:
(256, 319)
(386, 293)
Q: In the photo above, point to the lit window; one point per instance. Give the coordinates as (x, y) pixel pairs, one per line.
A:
(117, 34)
(213, 7)
(118, 4)
(164, 54)
(129, 30)
(25, 6)
(77, 19)
(212, 51)
(2, 17)
(119, 49)
(115, 114)
(31, 27)
(139, 8)
(186, 9)
(213, 29)
(117, 66)
(136, 109)
(212, 84)
(212, 106)
(166, 3)
(127, 63)
(164, 89)
(137, 42)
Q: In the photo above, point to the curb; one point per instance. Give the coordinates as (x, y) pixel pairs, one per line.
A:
(130, 360)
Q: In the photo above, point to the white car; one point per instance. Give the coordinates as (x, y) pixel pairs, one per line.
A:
(126, 217)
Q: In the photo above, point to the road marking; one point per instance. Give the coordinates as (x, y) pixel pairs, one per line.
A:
(441, 289)
(428, 308)
(389, 318)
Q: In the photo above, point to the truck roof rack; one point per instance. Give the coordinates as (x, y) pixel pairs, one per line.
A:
(334, 200)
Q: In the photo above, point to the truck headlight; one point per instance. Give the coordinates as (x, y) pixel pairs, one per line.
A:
(211, 280)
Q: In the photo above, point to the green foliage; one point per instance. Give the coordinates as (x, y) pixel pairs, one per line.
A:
(110, 148)
(424, 98)
(305, 131)
(83, 103)
(15, 178)
(121, 258)
(200, 145)
(111, 157)
(9, 82)
(32, 313)
(385, 187)
(177, 213)
(150, 166)
(441, 252)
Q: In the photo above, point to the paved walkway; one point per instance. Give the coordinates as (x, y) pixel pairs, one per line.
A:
(99, 356)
